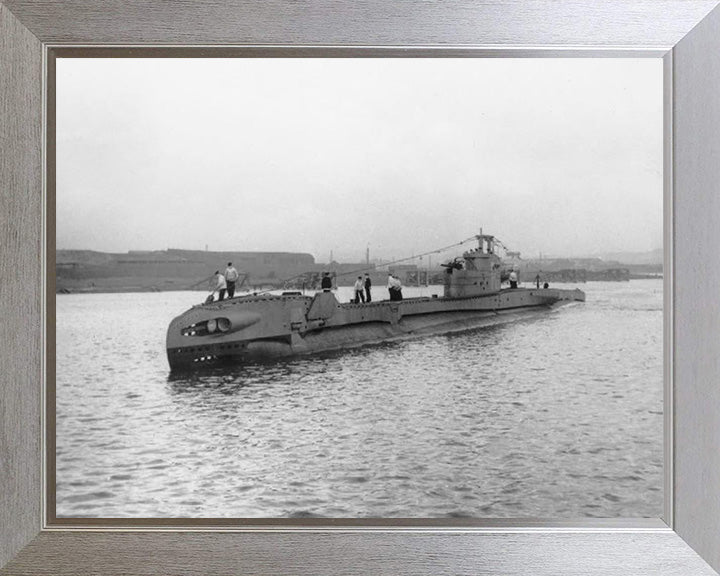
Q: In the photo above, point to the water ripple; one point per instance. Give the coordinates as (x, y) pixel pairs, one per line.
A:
(555, 416)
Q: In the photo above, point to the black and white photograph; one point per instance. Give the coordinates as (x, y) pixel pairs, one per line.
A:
(367, 288)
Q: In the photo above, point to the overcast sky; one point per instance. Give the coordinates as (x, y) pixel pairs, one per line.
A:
(559, 156)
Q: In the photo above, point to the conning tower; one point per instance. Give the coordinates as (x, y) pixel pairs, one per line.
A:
(476, 273)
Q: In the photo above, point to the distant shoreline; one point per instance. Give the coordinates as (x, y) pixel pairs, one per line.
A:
(152, 289)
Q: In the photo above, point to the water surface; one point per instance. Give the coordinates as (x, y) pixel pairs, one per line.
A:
(555, 416)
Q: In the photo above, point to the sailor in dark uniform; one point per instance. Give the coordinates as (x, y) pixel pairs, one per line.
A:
(368, 285)
(326, 282)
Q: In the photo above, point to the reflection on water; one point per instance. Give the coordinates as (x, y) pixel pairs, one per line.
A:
(555, 416)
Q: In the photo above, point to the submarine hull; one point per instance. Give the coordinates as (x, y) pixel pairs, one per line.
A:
(252, 328)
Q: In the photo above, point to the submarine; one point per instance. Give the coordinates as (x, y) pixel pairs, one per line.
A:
(266, 326)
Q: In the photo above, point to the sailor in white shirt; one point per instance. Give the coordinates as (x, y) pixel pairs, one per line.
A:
(219, 285)
(231, 276)
(359, 291)
(394, 287)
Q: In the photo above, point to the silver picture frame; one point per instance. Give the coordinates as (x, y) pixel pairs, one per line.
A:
(684, 33)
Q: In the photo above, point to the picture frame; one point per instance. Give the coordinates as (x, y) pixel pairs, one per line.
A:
(686, 34)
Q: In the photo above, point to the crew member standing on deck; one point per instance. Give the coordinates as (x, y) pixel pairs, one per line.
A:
(220, 285)
(359, 294)
(394, 287)
(368, 285)
(231, 276)
(398, 288)
(326, 282)
(513, 279)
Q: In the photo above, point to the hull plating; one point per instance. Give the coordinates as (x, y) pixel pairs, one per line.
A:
(255, 328)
